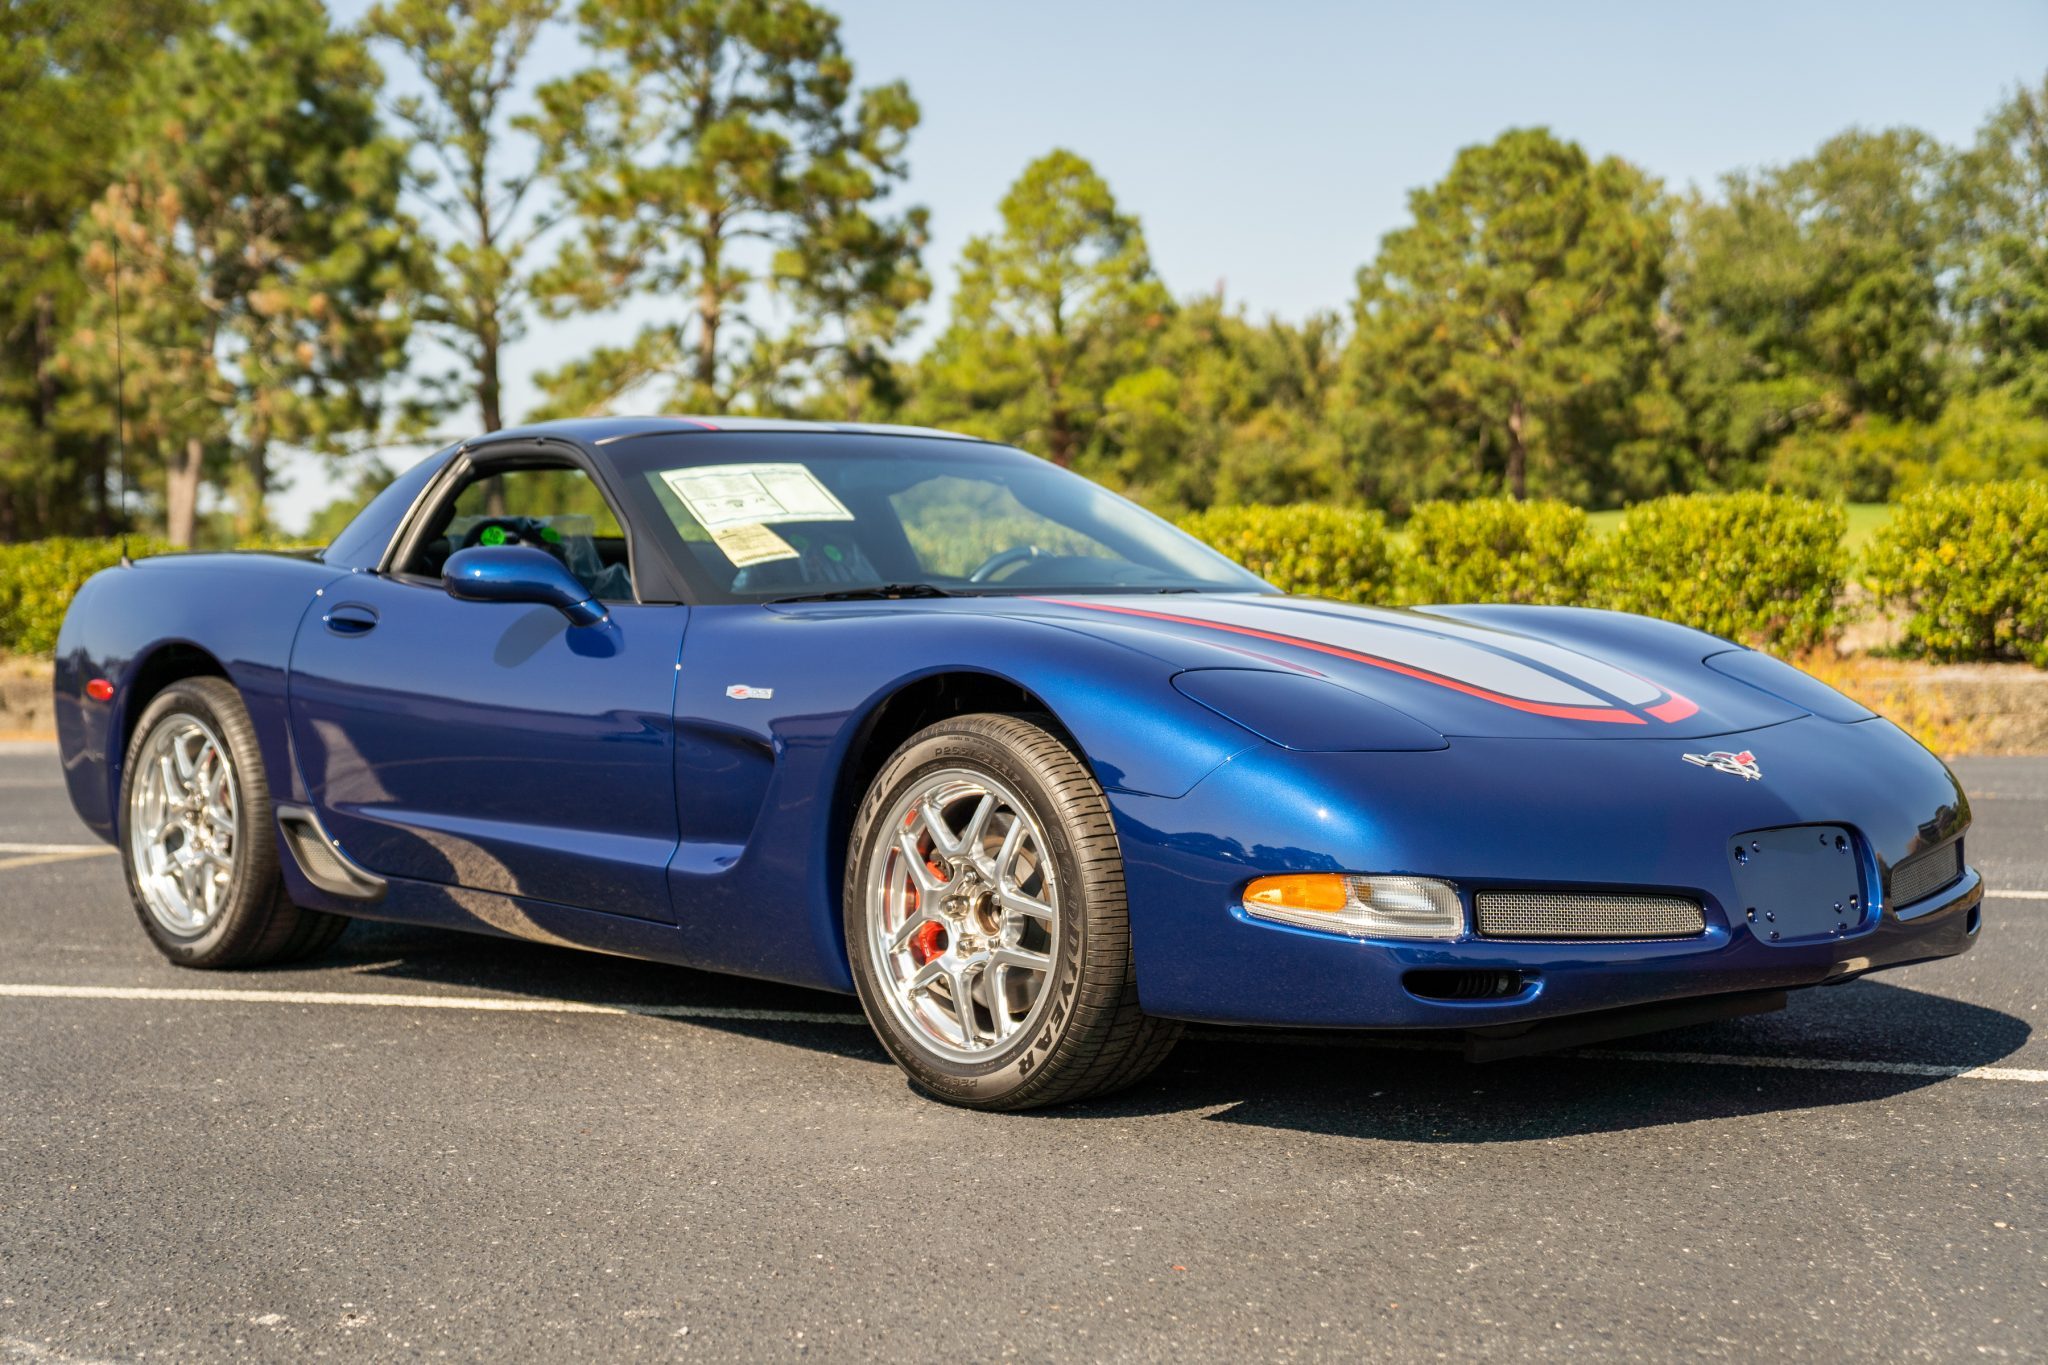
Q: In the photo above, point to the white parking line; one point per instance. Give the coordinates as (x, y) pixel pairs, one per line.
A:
(499, 1004)
(2017, 895)
(487, 1003)
(71, 855)
(56, 848)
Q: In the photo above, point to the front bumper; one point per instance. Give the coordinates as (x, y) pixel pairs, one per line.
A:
(1624, 816)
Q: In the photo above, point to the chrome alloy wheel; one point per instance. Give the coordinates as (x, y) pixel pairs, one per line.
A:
(182, 813)
(963, 914)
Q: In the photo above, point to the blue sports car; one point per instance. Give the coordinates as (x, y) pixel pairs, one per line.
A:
(1035, 775)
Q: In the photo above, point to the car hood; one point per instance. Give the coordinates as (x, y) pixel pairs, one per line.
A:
(1494, 672)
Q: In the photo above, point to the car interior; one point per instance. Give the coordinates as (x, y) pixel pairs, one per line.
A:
(552, 508)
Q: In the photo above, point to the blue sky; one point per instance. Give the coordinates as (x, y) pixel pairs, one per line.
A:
(1266, 147)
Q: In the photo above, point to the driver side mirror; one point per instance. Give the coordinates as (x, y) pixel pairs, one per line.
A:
(520, 573)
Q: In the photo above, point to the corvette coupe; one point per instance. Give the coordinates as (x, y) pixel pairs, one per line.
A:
(1037, 777)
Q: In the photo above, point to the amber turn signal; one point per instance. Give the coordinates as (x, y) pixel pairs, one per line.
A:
(1363, 906)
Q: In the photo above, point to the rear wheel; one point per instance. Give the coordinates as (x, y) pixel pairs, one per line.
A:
(985, 920)
(198, 840)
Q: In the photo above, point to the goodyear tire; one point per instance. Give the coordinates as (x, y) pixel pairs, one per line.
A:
(986, 923)
(198, 838)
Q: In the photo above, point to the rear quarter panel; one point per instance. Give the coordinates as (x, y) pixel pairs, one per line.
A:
(240, 610)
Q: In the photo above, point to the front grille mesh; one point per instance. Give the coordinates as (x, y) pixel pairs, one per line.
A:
(1577, 914)
(1923, 874)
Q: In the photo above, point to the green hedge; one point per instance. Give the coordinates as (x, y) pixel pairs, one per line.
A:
(38, 579)
(1317, 551)
(1969, 567)
(1762, 568)
(1497, 550)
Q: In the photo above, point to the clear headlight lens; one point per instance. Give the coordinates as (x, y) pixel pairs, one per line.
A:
(1368, 907)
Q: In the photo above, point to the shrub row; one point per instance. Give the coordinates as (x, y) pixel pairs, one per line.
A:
(38, 578)
(1969, 566)
(1758, 567)
(1965, 565)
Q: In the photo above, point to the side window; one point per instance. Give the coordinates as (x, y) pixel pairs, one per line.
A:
(957, 525)
(560, 511)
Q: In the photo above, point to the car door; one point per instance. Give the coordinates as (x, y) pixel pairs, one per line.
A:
(494, 745)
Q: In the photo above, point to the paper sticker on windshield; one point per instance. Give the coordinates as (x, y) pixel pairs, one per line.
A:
(758, 494)
(751, 543)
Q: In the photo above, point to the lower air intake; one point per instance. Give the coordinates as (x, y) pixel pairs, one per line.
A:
(1575, 914)
(1440, 984)
(1923, 874)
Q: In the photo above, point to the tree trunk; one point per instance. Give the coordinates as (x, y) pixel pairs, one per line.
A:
(710, 315)
(181, 492)
(1059, 438)
(1518, 452)
(489, 391)
(708, 310)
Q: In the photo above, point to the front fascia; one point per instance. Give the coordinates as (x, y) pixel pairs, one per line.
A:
(1515, 814)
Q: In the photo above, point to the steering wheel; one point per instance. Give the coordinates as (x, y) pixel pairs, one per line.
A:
(510, 531)
(1003, 559)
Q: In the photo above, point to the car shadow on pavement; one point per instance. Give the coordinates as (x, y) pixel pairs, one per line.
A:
(1405, 1088)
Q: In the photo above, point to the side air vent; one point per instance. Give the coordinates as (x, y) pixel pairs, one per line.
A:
(325, 865)
(1923, 874)
(1586, 914)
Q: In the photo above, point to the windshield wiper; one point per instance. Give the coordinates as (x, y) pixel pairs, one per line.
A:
(879, 592)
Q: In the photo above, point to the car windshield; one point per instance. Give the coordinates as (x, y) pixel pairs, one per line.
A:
(766, 517)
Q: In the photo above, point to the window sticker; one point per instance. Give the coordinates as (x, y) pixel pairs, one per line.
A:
(750, 543)
(754, 494)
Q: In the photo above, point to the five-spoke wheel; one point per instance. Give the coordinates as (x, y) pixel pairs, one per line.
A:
(182, 824)
(964, 911)
(198, 836)
(986, 924)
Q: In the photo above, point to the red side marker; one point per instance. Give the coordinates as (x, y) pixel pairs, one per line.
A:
(99, 689)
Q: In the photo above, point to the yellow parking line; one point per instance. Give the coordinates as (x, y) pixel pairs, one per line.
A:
(34, 859)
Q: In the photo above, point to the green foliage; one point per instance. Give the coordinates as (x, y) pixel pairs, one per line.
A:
(469, 57)
(67, 80)
(712, 134)
(1807, 297)
(1999, 202)
(1970, 567)
(1051, 311)
(254, 233)
(1317, 551)
(38, 579)
(1497, 550)
(1761, 568)
(1507, 338)
(1227, 411)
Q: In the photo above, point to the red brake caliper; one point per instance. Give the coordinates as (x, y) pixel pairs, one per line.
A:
(930, 939)
(928, 942)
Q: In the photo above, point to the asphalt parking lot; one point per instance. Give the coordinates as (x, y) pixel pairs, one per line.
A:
(430, 1145)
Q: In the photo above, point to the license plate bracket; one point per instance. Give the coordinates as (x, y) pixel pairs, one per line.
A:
(1798, 883)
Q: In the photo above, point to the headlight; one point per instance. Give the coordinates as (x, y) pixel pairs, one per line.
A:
(1367, 907)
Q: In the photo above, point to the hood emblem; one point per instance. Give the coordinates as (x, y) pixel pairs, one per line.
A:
(1742, 765)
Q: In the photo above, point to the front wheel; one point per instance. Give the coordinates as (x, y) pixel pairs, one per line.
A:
(986, 924)
(198, 840)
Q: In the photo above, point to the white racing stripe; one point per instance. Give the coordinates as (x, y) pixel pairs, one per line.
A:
(499, 1004)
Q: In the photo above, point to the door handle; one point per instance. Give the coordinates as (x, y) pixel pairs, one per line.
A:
(350, 619)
